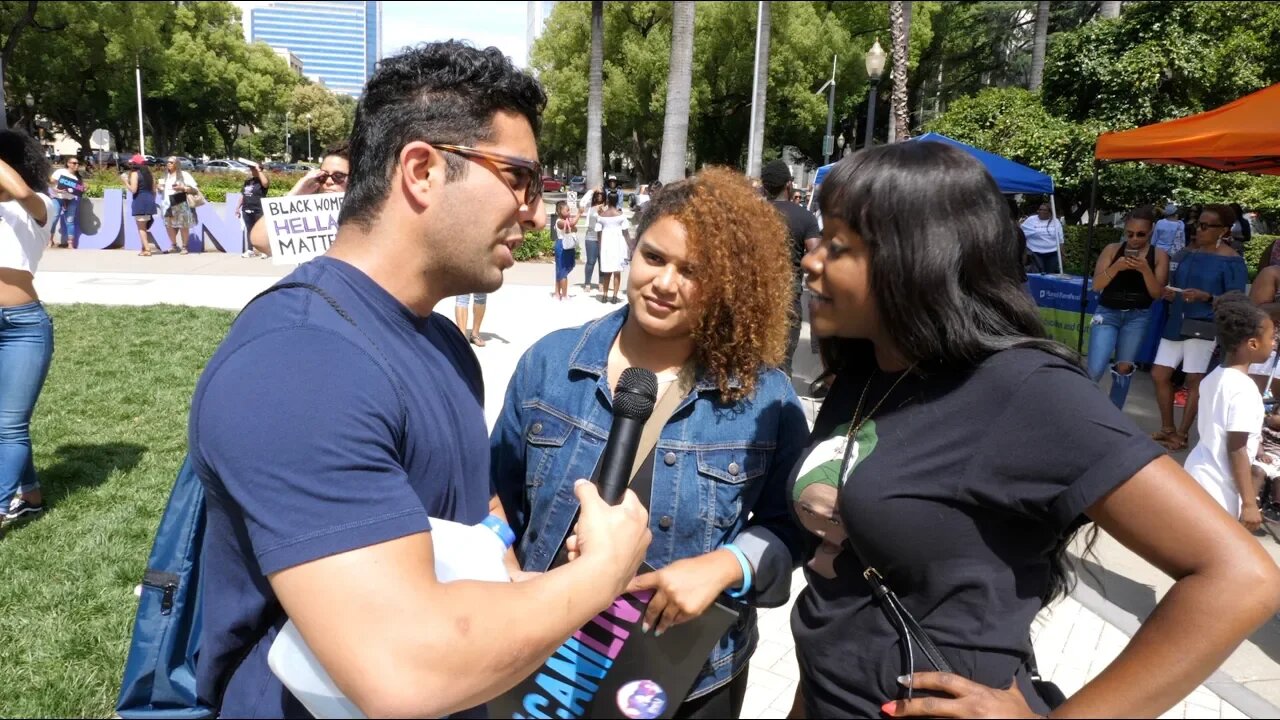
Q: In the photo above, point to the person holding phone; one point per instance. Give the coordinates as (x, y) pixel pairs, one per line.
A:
(250, 208)
(1131, 275)
(1205, 269)
(330, 177)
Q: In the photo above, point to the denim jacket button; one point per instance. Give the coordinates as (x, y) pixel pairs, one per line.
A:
(665, 522)
(669, 458)
(536, 429)
(733, 468)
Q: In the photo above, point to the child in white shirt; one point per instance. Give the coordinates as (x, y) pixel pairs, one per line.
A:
(1231, 410)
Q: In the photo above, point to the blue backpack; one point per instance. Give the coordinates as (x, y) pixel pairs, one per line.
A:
(160, 672)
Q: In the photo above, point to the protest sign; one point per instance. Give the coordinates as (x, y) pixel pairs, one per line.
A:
(612, 669)
(300, 227)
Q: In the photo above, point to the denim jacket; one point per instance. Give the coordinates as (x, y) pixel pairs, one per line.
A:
(720, 473)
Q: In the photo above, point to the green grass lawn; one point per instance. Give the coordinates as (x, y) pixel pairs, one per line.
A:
(109, 433)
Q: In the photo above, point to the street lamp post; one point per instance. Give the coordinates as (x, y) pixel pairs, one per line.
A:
(308, 137)
(288, 156)
(31, 104)
(875, 69)
(828, 142)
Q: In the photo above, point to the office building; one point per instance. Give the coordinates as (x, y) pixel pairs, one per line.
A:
(295, 62)
(339, 42)
(535, 22)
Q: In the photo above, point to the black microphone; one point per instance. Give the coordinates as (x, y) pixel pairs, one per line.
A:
(633, 401)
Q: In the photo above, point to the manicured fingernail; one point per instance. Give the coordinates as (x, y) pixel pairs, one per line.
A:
(657, 633)
(644, 627)
(904, 680)
(888, 707)
(579, 481)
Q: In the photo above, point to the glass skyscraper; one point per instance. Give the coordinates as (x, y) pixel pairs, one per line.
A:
(339, 42)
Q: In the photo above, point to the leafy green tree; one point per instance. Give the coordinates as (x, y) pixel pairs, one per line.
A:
(200, 80)
(1161, 60)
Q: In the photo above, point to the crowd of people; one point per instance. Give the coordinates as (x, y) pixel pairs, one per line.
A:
(341, 415)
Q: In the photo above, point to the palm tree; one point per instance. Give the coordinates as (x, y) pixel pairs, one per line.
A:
(1110, 9)
(1038, 48)
(756, 145)
(595, 99)
(899, 17)
(675, 127)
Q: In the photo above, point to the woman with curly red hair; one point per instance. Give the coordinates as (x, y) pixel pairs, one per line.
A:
(708, 305)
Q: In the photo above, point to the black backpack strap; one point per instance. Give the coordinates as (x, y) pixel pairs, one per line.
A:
(395, 384)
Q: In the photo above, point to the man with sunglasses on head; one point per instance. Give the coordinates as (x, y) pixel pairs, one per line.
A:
(330, 177)
(335, 420)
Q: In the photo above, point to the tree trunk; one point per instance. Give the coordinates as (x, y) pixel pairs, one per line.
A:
(899, 18)
(1038, 47)
(755, 147)
(595, 99)
(1110, 9)
(675, 128)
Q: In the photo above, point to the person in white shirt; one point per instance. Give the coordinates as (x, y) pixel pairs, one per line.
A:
(1170, 233)
(1044, 240)
(67, 187)
(1231, 411)
(27, 216)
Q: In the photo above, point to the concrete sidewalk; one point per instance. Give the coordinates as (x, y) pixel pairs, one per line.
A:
(1074, 639)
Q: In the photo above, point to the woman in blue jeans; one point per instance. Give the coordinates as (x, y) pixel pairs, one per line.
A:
(707, 311)
(26, 333)
(1131, 275)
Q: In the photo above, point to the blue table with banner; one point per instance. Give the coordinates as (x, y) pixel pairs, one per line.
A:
(1058, 297)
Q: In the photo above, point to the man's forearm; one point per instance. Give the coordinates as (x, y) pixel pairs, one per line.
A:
(476, 640)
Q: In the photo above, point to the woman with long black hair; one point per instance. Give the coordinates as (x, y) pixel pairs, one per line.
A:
(956, 456)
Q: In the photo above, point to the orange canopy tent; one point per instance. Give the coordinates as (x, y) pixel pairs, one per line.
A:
(1241, 136)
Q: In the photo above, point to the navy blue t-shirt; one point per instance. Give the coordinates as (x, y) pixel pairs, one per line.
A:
(310, 441)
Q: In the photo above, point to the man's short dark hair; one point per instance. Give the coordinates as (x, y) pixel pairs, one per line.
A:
(340, 149)
(445, 92)
(774, 177)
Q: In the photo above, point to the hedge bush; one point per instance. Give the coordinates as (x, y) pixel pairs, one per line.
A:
(537, 244)
(1073, 248)
(215, 186)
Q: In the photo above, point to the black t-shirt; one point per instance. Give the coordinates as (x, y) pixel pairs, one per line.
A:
(253, 191)
(962, 485)
(801, 225)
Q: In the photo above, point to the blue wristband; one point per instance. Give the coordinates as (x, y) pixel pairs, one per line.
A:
(746, 571)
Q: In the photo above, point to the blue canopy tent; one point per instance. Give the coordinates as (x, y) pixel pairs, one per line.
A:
(1010, 176)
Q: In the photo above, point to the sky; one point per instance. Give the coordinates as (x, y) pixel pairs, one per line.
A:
(500, 23)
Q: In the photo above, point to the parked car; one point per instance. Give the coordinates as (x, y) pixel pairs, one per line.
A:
(578, 184)
(550, 184)
(225, 166)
